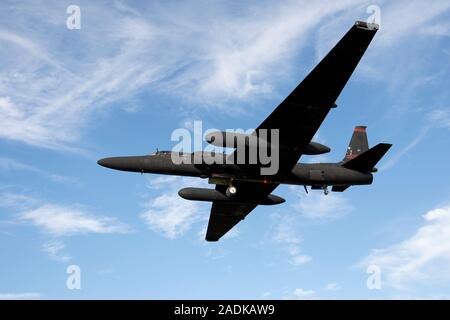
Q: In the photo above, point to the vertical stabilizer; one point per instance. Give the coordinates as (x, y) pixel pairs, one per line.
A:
(358, 143)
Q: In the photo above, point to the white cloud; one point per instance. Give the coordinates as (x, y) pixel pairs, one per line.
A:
(286, 235)
(332, 287)
(59, 220)
(302, 294)
(107, 271)
(285, 230)
(317, 206)
(314, 206)
(31, 47)
(215, 58)
(215, 252)
(168, 213)
(54, 250)
(20, 296)
(17, 201)
(422, 259)
(411, 145)
(9, 164)
(420, 24)
(300, 259)
(161, 182)
(62, 92)
(171, 215)
(438, 29)
(415, 15)
(440, 118)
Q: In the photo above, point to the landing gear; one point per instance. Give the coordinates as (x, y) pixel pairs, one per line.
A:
(323, 187)
(231, 191)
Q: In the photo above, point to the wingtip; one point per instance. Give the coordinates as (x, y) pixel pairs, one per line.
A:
(384, 145)
(367, 25)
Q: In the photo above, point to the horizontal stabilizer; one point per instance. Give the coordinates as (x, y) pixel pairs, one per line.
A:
(366, 161)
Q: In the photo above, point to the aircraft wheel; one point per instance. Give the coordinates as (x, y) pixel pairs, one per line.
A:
(231, 191)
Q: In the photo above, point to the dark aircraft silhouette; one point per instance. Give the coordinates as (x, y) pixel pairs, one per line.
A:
(242, 187)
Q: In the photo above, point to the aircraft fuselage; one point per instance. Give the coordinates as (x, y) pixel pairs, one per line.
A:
(310, 174)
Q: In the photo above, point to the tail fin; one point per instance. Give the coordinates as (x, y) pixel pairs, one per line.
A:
(366, 161)
(358, 143)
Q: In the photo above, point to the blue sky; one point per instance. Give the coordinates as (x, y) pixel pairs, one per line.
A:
(131, 75)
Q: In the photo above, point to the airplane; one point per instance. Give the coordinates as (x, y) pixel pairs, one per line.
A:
(240, 188)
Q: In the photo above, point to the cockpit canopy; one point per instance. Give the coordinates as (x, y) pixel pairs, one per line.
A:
(160, 152)
(157, 152)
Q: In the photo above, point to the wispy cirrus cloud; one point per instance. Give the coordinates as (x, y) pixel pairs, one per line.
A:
(436, 119)
(416, 19)
(216, 59)
(419, 27)
(394, 159)
(48, 93)
(62, 92)
(17, 201)
(9, 164)
(440, 118)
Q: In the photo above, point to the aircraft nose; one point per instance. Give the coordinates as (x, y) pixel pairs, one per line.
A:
(133, 163)
(118, 163)
(108, 162)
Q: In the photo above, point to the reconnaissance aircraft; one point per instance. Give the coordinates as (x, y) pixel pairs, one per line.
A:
(240, 188)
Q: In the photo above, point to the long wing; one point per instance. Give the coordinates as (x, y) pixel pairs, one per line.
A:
(300, 115)
(225, 215)
(298, 118)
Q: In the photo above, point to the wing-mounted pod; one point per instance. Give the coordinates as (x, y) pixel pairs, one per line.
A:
(235, 139)
(314, 148)
(205, 194)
